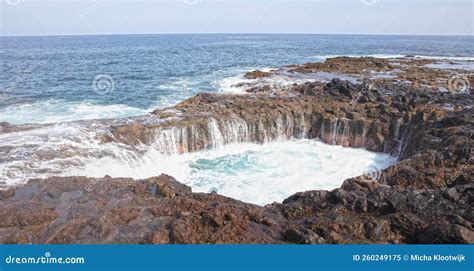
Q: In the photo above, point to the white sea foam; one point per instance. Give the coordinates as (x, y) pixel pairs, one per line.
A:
(460, 58)
(54, 111)
(253, 173)
(231, 84)
(445, 65)
(43, 152)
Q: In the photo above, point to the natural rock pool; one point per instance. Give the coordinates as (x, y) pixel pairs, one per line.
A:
(253, 173)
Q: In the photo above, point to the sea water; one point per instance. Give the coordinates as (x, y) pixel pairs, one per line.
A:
(65, 78)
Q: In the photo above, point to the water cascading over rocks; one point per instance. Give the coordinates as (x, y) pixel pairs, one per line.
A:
(235, 129)
(262, 119)
(425, 198)
(337, 113)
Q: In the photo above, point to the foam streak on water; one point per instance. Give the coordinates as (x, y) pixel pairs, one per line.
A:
(253, 173)
(54, 111)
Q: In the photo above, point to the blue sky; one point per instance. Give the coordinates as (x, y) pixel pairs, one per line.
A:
(79, 17)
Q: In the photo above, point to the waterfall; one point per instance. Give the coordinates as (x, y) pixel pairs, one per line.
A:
(396, 137)
(344, 132)
(235, 130)
(334, 132)
(232, 129)
(303, 129)
(216, 136)
(322, 130)
(203, 133)
(170, 140)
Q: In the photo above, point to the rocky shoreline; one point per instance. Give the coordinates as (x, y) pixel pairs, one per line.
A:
(404, 106)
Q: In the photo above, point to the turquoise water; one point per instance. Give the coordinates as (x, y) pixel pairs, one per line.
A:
(59, 79)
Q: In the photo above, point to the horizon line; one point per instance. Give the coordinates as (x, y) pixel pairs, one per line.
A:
(237, 33)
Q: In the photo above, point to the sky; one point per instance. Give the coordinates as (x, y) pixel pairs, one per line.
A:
(94, 17)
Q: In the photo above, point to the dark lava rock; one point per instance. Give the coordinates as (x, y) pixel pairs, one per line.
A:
(348, 65)
(160, 210)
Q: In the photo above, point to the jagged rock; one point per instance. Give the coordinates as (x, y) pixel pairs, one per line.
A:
(344, 87)
(346, 65)
(307, 237)
(7, 193)
(128, 211)
(446, 234)
(168, 187)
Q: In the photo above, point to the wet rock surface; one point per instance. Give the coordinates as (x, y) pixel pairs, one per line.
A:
(346, 65)
(426, 197)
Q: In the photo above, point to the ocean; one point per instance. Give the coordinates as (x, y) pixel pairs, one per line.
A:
(62, 79)
(65, 78)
